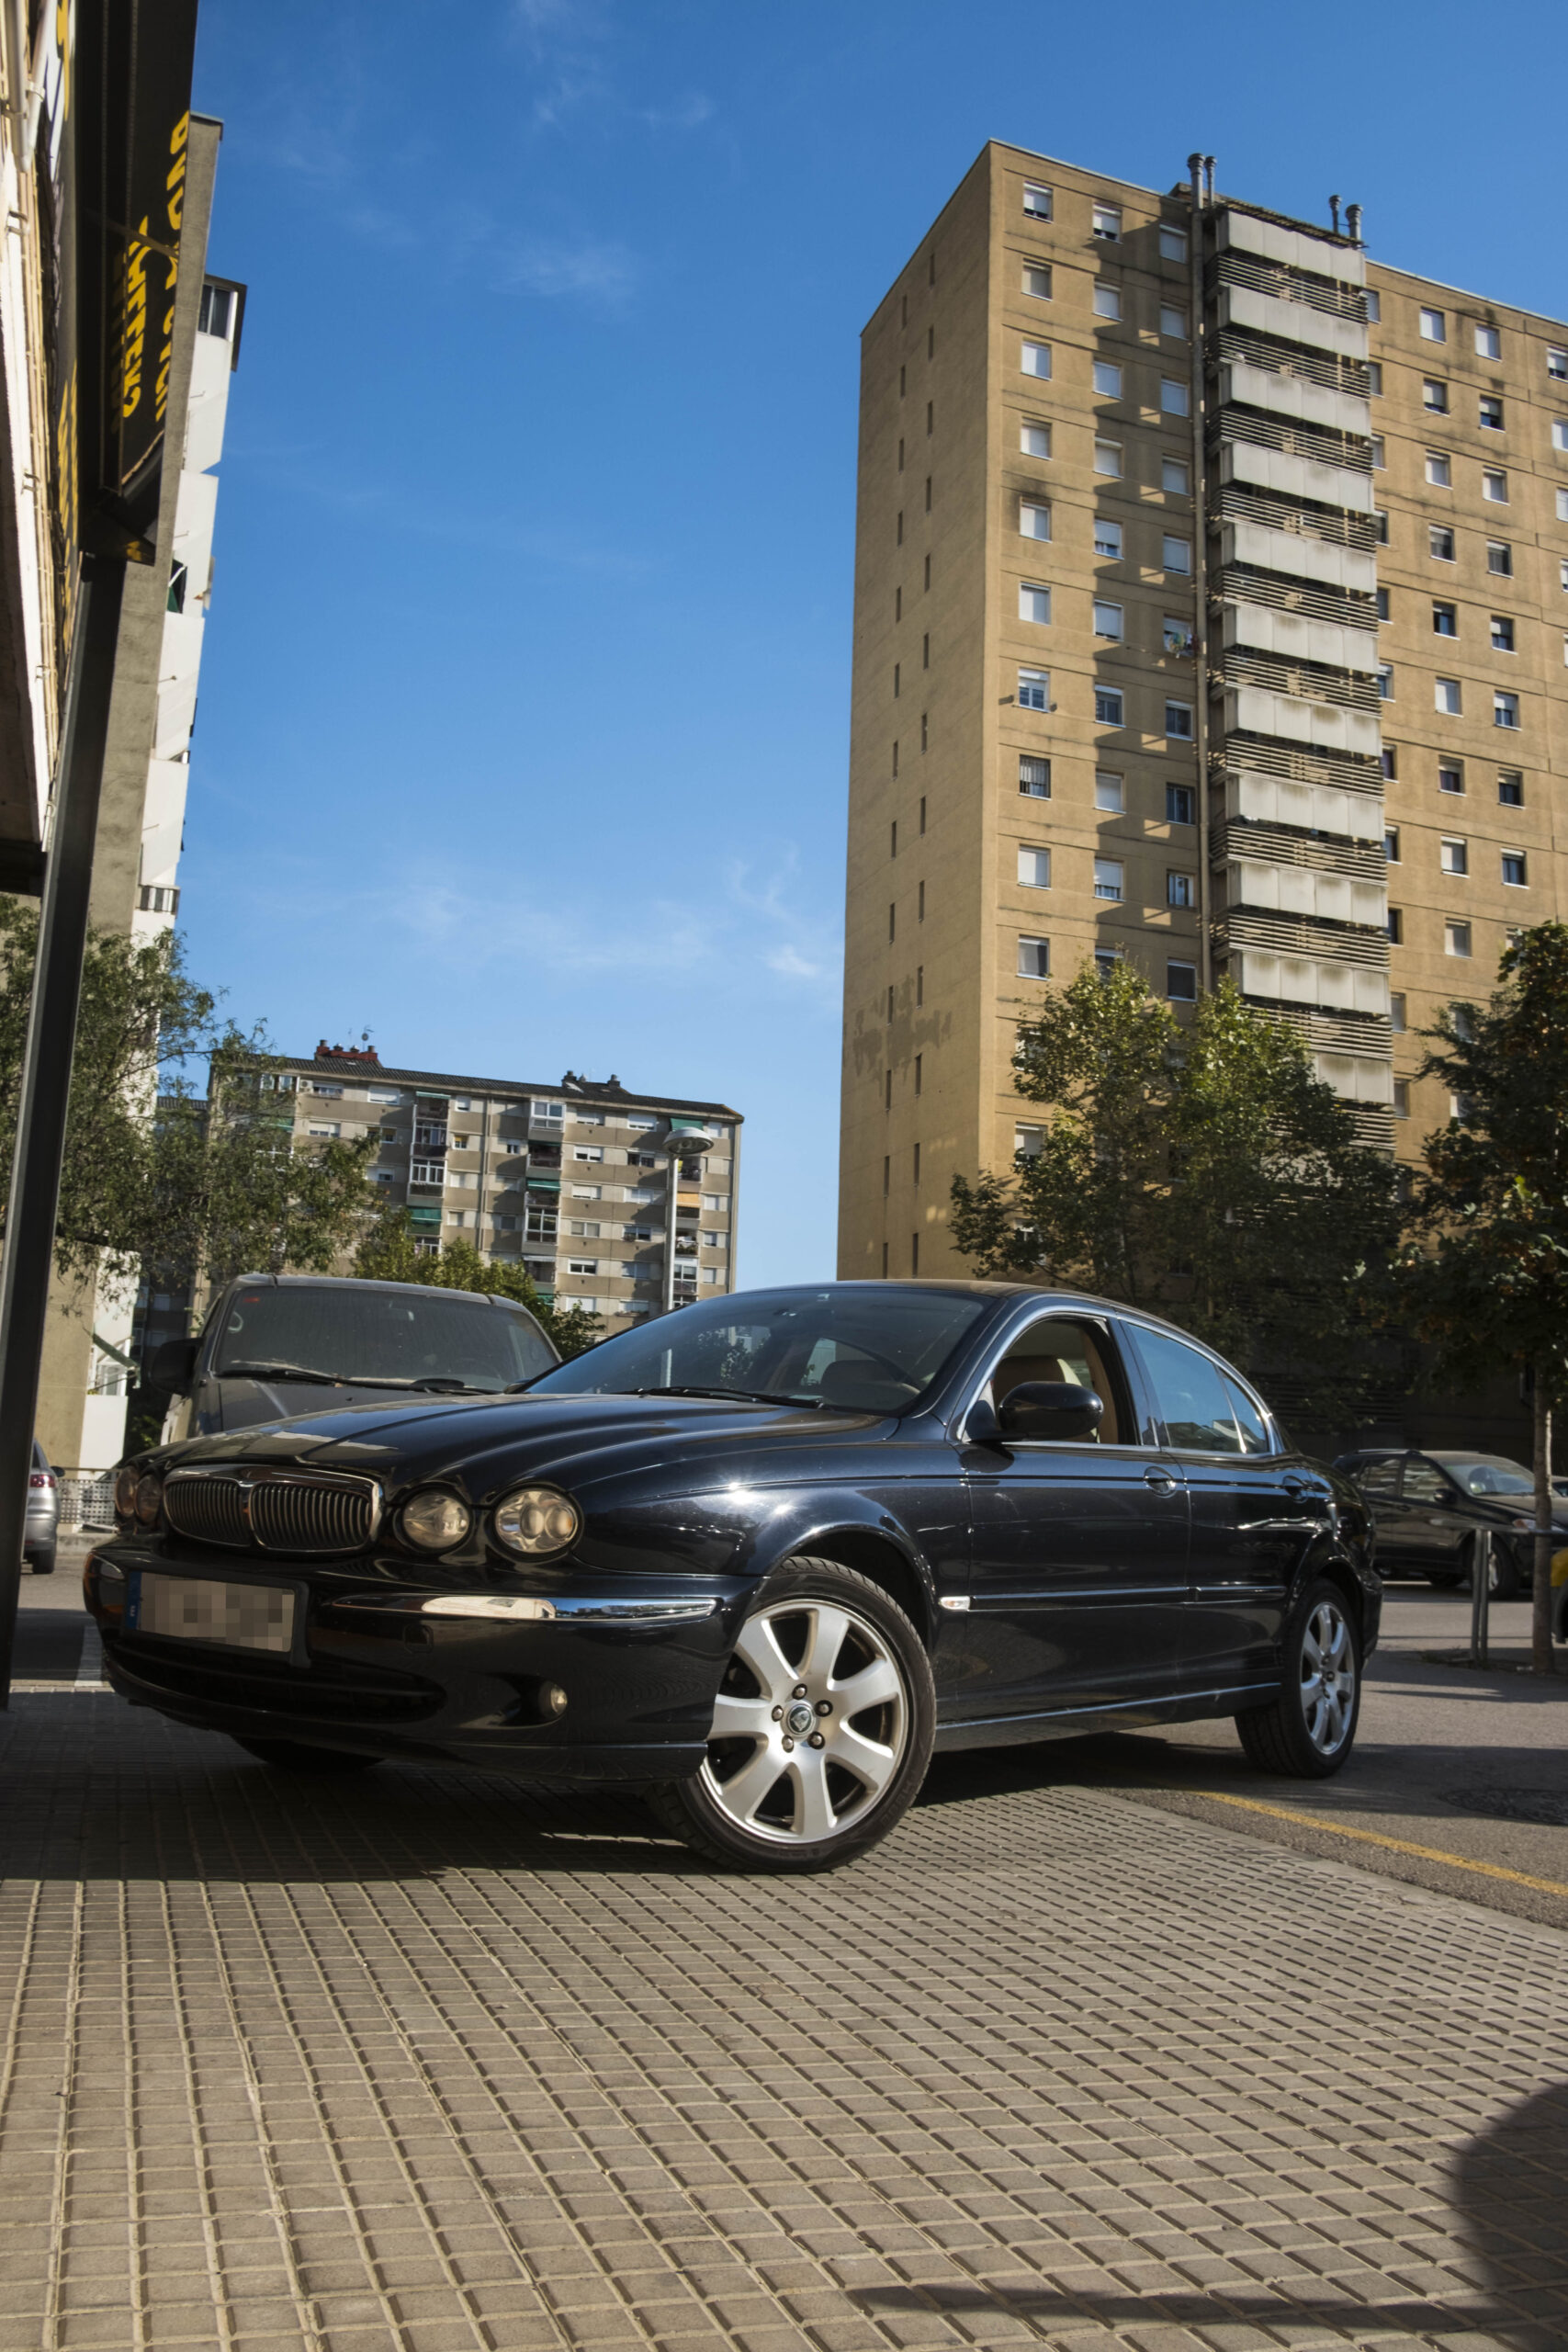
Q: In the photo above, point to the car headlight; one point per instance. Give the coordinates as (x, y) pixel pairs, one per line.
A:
(126, 1481)
(149, 1497)
(537, 1520)
(435, 1520)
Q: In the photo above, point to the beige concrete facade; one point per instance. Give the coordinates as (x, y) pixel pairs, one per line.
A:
(1055, 468)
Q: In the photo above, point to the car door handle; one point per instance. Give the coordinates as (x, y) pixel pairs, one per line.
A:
(1298, 1486)
(1164, 1482)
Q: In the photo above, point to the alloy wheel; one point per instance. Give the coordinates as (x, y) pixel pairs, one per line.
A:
(1328, 1677)
(810, 1725)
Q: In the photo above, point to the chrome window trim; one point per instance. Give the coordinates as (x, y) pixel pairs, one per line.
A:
(1227, 1372)
(1100, 1323)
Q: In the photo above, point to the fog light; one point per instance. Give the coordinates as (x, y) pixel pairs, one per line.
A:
(552, 1698)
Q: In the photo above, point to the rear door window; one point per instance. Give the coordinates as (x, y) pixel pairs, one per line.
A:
(1250, 1421)
(1380, 1479)
(1425, 1483)
(1191, 1395)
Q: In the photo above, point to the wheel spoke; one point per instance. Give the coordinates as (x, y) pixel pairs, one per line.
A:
(814, 1815)
(746, 1790)
(737, 1718)
(757, 1646)
(874, 1686)
(823, 1643)
(871, 1763)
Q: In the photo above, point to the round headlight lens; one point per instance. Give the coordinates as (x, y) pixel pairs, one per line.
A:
(435, 1520)
(125, 1485)
(149, 1496)
(537, 1520)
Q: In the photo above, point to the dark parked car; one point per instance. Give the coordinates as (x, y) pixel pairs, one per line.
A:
(272, 1343)
(1430, 1507)
(759, 1557)
(41, 1536)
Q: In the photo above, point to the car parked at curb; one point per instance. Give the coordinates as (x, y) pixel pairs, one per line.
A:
(40, 1539)
(1432, 1509)
(759, 1558)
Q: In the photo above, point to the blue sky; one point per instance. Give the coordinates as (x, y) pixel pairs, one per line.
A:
(524, 719)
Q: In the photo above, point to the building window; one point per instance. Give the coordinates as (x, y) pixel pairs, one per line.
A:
(1388, 761)
(1445, 620)
(1450, 776)
(1035, 689)
(1036, 360)
(1505, 709)
(1179, 720)
(1434, 327)
(1033, 959)
(1511, 788)
(1037, 280)
(1453, 856)
(1502, 633)
(1173, 247)
(1514, 873)
(1033, 519)
(1173, 323)
(1108, 619)
(919, 1073)
(1391, 844)
(1379, 454)
(1495, 487)
(1034, 776)
(1108, 707)
(1109, 877)
(920, 903)
(1176, 636)
(1109, 792)
(217, 311)
(1396, 1013)
(1028, 1142)
(1456, 939)
(1560, 432)
(1562, 505)
(1439, 473)
(1435, 398)
(1180, 804)
(1562, 573)
(1108, 539)
(582, 1265)
(1106, 223)
(1402, 1097)
(1374, 378)
(1176, 554)
(1108, 458)
(1181, 983)
(1557, 362)
(1500, 559)
(1105, 962)
(1173, 396)
(1034, 602)
(1441, 542)
(1174, 477)
(1491, 413)
(1034, 869)
(1034, 440)
(1395, 927)
(1383, 603)
(1488, 342)
(1374, 305)
(1385, 681)
(1446, 697)
(1107, 299)
(1180, 890)
(1107, 378)
(1036, 200)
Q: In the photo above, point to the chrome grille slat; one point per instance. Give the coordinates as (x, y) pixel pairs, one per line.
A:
(274, 1511)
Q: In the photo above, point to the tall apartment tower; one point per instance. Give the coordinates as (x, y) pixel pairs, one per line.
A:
(1209, 594)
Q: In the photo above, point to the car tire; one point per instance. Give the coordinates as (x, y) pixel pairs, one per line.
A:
(295, 1756)
(1505, 1581)
(42, 1563)
(1310, 1729)
(774, 1796)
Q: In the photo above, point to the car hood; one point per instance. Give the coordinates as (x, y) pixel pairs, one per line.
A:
(244, 1401)
(480, 1442)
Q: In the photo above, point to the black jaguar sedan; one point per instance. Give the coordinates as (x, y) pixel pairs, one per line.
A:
(760, 1556)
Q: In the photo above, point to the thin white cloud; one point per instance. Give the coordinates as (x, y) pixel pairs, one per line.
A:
(600, 271)
(685, 114)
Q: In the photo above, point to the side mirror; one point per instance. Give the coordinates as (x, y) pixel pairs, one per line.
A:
(1050, 1408)
(173, 1366)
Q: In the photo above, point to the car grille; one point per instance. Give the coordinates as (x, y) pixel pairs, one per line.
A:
(296, 1511)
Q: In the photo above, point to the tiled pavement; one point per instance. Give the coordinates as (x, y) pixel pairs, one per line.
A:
(417, 2060)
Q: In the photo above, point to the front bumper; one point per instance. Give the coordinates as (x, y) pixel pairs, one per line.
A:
(382, 1663)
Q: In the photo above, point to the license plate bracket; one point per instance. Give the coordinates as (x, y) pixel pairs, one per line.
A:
(215, 1610)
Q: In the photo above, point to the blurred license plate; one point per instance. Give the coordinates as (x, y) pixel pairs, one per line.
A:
(197, 1609)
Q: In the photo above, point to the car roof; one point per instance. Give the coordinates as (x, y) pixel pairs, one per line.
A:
(364, 1282)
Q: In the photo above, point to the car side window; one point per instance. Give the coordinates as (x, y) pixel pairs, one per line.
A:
(1190, 1396)
(1425, 1483)
(1058, 1351)
(1380, 1480)
(1253, 1429)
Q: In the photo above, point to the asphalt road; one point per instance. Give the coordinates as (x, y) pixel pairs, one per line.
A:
(1471, 1766)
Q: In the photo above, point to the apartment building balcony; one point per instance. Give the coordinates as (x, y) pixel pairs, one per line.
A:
(1347, 608)
(1276, 471)
(1297, 639)
(428, 1137)
(1275, 357)
(1315, 892)
(1328, 848)
(428, 1175)
(1292, 322)
(1301, 540)
(1315, 982)
(1306, 682)
(533, 1183)
(1296, 400)
(1322, 725)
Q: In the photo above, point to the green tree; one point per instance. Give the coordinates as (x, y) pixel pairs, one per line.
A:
(388, 1253)
(1486, 1271)
(1204, 1171)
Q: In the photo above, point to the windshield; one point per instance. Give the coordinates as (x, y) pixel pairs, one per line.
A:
(397, 1335)
(861, 1346)
(1491, 1475)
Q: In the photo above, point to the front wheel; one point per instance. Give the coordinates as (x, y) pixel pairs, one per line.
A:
(295, 1756)
(1310, 1729)
(42, 1563)
(822, 1727)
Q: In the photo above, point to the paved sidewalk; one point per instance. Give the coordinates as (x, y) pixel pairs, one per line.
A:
(414, 2062)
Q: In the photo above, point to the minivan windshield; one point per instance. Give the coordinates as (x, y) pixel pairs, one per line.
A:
(865, 1346)
(398, 1336)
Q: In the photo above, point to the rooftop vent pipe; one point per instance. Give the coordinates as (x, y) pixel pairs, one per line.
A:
(1353, 222)
(1334, 212)
(1209, 167)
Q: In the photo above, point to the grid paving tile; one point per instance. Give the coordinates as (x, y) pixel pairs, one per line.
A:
(428, 2063)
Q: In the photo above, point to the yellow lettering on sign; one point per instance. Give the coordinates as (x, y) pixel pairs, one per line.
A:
(176, 182)
(135, 331)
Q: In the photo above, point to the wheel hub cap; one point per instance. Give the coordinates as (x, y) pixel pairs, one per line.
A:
(801, 1719)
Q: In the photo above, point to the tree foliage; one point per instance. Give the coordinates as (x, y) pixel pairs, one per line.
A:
(1206, 1172)
(1486, 1268)
(388, 1253)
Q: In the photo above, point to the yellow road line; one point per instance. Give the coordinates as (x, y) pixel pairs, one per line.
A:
(1392, 1844)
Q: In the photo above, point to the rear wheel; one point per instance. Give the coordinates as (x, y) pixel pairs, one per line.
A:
(1311, 1728)
(821, 1731)
(42, 1563)
(1505, 1582)
(294, 1755)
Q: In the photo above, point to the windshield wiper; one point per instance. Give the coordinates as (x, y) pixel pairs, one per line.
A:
(281, 1371)
(747, 1395)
